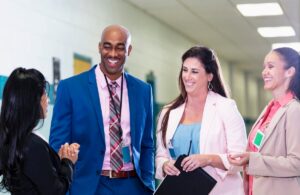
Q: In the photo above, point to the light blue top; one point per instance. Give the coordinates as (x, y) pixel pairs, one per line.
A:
(184, 134)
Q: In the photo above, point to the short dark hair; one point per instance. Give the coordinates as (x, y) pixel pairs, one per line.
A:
(21, 112)
(292, 59)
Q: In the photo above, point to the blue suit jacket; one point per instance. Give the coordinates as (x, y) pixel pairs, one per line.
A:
(77, 117)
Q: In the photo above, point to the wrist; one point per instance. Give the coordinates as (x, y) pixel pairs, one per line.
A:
(163, 168)
(209, 160)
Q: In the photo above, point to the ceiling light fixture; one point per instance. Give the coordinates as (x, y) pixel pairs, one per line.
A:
(260, 9)
(280, 31)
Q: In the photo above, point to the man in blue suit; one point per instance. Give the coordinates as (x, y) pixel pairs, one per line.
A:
(90, 111)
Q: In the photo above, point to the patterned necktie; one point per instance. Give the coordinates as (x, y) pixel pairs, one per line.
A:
(115, 132)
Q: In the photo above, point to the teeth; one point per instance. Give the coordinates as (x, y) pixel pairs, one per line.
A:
(113, 61)
(189, 84)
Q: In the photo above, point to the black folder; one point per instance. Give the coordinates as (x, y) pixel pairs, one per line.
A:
(195, 182)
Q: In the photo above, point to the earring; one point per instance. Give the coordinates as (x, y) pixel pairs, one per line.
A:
(210, 86)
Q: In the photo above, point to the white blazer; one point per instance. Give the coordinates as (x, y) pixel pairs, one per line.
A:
(222, 131)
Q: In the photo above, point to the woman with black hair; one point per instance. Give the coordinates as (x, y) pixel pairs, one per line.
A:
(27, 163)
(204, 119)
(272, 162)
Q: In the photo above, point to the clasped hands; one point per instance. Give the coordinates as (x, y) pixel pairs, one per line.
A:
(188, 164)
(69, 151)
(239, 159)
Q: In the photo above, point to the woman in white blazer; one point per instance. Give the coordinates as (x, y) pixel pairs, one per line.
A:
(204, 119)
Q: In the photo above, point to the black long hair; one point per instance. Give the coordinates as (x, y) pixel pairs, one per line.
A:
(211, 65)
(292, 59)
(21, 112)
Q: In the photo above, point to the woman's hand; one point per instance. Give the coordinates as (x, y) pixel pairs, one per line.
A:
(169, 168)
(69, 151)
(74, 149)
(240, 159)
(194, 161)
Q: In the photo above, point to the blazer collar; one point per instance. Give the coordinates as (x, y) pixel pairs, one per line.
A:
(174, 120)
(273, 123)
(209, 113)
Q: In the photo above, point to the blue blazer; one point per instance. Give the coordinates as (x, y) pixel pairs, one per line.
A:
(77, 117)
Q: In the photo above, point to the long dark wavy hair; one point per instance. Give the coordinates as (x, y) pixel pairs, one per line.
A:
(21, 112)
(292, 59)
(211, 65)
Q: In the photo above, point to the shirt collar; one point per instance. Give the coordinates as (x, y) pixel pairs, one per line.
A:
(100, 76)
(284, 99)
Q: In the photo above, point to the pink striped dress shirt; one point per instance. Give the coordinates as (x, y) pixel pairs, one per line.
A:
(125, 116)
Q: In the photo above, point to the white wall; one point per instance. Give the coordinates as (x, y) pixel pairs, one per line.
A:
(34, 31)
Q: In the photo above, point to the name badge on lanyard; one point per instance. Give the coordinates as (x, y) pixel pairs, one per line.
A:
(258, 139)
(126, 154)
(172, 150)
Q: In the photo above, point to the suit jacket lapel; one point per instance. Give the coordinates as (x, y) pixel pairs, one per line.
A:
(273, 123)
(93, 89)
(132, 106)
(207, 120)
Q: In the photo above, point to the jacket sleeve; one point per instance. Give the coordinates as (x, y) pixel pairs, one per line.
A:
(281, 165)
(162, 153)
(236, 138)
(60, 131)
(48, 174)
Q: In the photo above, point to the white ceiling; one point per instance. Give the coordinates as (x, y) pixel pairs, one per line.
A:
(219, 25)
